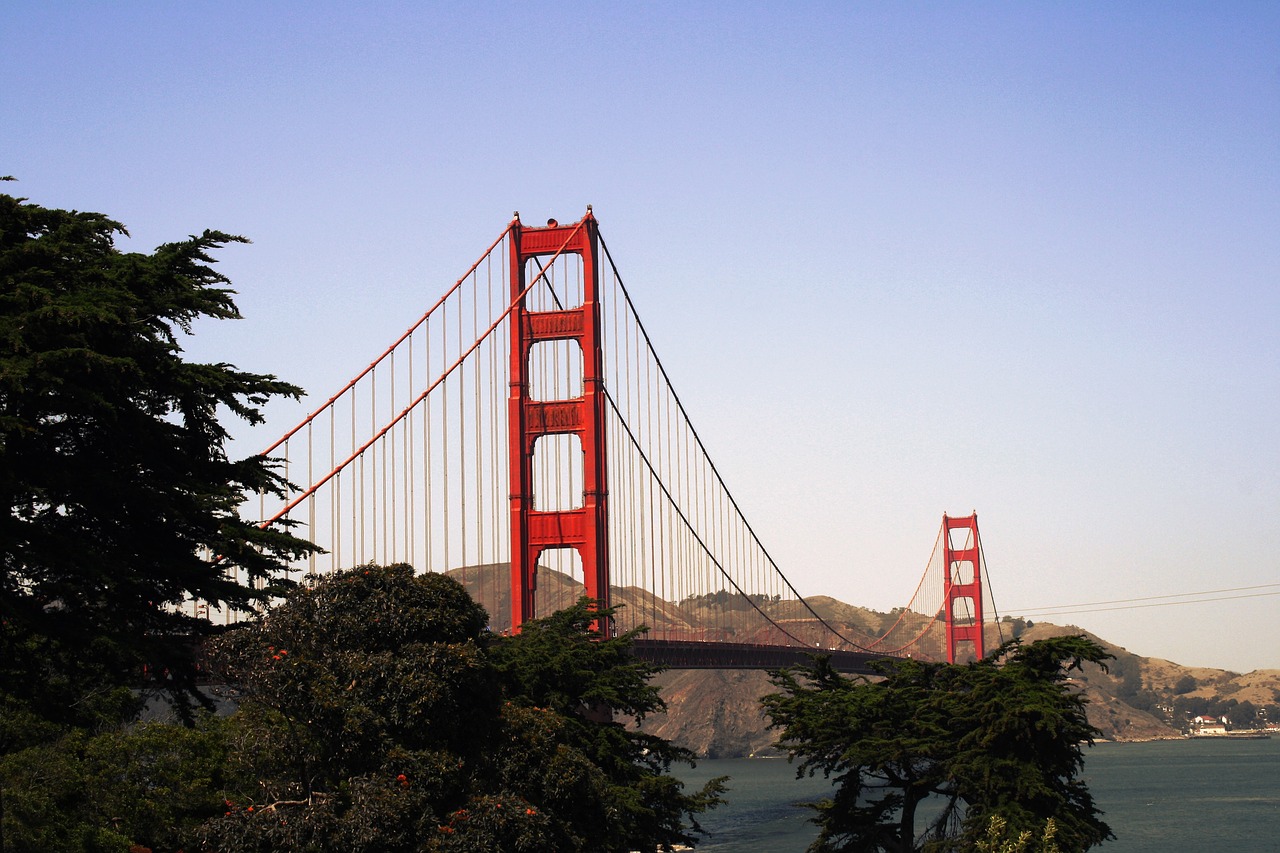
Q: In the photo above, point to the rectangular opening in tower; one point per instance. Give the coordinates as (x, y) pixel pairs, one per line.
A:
(555, 370)
(560, 580)
(966, 651)
(961, 538)
(559, 284)
(962, 571)
(557, 472)
(962, 611)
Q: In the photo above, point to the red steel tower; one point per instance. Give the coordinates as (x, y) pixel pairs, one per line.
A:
(960, 563)
(583, 528)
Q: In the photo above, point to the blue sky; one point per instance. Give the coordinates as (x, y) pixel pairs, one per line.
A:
(900, 259)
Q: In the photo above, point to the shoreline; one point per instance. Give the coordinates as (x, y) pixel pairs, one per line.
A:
(1242, 734)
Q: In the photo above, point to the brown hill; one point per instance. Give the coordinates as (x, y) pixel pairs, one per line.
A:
(716, 713)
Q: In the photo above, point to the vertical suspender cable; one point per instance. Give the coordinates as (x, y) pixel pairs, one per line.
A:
(335, 499)
(489, 604)
(388, 467)
(355, 480)
(476, 415)
(311, 510)
(410, 477)
(444, 444)
(462, 447)
(428, 482)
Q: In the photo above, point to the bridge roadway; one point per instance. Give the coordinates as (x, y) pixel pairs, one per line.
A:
(688, 654)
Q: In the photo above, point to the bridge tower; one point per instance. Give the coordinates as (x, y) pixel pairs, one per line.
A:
(962, 584)
(583, 528)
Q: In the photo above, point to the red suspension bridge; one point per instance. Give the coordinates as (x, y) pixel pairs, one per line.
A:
(524, 437)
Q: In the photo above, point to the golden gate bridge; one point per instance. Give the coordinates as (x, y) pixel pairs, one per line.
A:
(523, 436)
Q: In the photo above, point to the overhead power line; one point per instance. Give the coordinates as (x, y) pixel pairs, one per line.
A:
(1201, 597)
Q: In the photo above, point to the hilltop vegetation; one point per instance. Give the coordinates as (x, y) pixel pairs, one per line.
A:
(1140, 697)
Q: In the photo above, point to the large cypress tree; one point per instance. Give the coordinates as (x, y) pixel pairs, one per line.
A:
(120, 500)
(932, 757)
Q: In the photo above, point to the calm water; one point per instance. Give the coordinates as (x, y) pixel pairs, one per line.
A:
(1163, 797)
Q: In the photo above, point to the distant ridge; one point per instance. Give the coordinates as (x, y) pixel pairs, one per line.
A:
(716, 713)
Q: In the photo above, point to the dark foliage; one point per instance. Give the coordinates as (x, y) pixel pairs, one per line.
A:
(152, 784)
(377, 717)
(116, 484)
(1001, 737)
(563, 664)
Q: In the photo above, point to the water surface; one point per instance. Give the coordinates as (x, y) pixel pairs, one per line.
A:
(1181, 796)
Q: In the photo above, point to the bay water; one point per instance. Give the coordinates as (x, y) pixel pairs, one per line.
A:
(1179, 796)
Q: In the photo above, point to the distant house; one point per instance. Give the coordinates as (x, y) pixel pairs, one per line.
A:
(1209, 726)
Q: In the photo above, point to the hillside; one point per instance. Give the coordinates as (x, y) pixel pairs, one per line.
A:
(1139, 698)
(716, 713)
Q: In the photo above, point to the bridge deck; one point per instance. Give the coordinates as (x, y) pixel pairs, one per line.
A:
(687, 654)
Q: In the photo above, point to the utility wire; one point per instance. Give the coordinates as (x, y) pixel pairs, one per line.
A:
(1151, 601)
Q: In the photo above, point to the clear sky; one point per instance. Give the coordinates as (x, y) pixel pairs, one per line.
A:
(899, 259)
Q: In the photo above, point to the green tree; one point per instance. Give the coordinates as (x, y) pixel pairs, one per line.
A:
(928, 754)
(592, 682)
(999, 839)
(149, 786)
(376, 717)
(1243, 715)
(113, 469)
